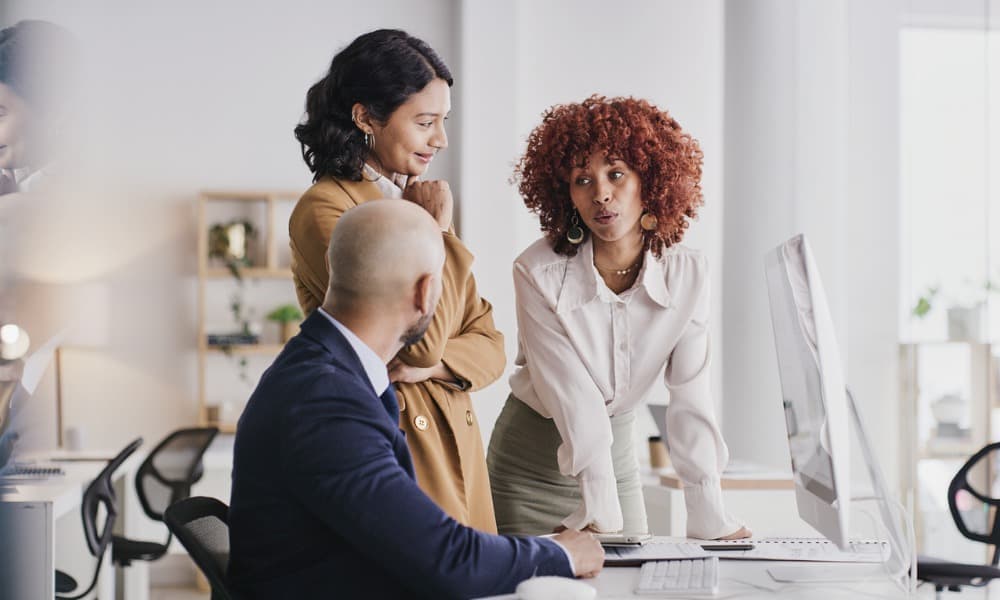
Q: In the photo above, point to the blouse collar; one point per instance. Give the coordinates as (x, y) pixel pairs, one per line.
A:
(386, 186)
(582, 282)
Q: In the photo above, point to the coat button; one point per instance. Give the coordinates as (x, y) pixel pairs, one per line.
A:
(468, 417)
(421, 422)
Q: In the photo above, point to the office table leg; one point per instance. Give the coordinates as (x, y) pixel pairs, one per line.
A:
(133, 580)
(27, 553)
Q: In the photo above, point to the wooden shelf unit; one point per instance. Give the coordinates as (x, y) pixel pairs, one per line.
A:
(978, 376)
(270, 269)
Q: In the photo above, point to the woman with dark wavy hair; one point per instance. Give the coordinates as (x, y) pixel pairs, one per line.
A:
(611, 311)
(373, 125)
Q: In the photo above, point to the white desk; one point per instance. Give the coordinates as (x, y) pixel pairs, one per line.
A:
(764, 500)
(42, 528)
(749, 579)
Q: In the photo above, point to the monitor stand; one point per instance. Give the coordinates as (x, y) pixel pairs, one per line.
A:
(902, 560)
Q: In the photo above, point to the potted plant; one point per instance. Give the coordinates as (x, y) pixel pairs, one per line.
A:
(964, 309)
(288, 316)
(229, 242)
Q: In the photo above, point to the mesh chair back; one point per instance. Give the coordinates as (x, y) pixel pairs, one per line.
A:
(101, 493)
(974, 495)
(202, 526)
(167, 474)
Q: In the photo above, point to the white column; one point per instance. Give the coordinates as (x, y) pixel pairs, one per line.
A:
(785, 172)
(873, 221)
(487, 144)
(811, 146)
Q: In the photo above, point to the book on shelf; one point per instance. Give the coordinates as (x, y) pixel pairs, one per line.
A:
(232, 339)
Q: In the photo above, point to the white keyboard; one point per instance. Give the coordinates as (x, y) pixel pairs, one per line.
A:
(688, 577)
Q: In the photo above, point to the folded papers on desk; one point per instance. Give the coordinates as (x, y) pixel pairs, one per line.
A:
(622, 556)
(806, 549)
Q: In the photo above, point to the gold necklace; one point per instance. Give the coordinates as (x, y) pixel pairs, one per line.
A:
(620, 272)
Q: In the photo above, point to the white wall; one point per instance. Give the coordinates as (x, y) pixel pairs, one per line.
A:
(188, 95)
(180, 96)
(519, 58)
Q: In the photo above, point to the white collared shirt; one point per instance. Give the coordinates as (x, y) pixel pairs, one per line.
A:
(385, 185)
(585, 353)
(375, 369)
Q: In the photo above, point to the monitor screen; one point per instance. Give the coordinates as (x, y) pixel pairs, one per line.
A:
(812, 388)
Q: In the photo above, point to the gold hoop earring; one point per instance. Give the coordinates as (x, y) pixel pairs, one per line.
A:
(648, 221)
(575, 233)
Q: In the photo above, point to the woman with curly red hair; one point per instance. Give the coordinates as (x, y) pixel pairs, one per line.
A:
(611, 310)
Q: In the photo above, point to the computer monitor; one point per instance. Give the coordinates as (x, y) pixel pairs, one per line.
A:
(819, 408)
(812, 389)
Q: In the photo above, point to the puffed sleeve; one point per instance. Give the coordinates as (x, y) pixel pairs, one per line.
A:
(573, 400)
(697, 449)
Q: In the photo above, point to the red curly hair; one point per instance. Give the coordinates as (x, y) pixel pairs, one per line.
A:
(667, 160)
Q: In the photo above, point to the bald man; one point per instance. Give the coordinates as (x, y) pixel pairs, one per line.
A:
(324, 503)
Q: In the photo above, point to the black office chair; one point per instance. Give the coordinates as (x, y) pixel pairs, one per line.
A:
(974, 508)
(202, 526)
(165, 477)
(100, 492)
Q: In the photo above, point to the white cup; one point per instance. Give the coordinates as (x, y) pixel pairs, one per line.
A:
(73, 438)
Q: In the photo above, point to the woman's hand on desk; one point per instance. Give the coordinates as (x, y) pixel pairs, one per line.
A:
(740, 534)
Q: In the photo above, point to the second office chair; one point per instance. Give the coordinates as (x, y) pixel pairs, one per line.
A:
(165, 477)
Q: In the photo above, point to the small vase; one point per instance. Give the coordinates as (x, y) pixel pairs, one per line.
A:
(965, 323)
(288, 331)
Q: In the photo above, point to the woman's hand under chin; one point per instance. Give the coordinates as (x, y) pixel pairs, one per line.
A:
(434, 196)
(740, 534)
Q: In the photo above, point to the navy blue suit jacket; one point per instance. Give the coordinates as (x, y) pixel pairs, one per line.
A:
(324, 501)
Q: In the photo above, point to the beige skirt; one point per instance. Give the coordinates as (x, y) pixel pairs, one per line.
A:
(530, 495)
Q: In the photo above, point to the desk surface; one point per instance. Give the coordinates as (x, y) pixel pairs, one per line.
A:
(63, 491)
(749, 579)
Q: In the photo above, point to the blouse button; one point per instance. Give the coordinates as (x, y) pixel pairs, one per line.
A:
(421, 422)
(468, 417)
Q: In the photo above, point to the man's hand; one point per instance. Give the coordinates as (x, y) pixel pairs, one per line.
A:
(741, 534)
(434, 196)
(400, 372)
(587, 553)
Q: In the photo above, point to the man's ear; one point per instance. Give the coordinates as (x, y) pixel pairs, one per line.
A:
(423, 300)
(362, 118)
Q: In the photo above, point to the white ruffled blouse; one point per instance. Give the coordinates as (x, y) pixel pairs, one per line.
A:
(585, 353)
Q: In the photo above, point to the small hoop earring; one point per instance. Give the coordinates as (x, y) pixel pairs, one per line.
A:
(369, 140)
(575, 233)
(648, 221)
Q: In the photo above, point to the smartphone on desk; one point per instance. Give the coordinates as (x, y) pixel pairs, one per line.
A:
(726, 547)
(623, 539)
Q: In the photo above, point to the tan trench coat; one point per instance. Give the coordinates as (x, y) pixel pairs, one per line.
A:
(441, 427)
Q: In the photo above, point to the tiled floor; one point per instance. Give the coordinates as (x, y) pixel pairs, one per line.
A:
(177, 594)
